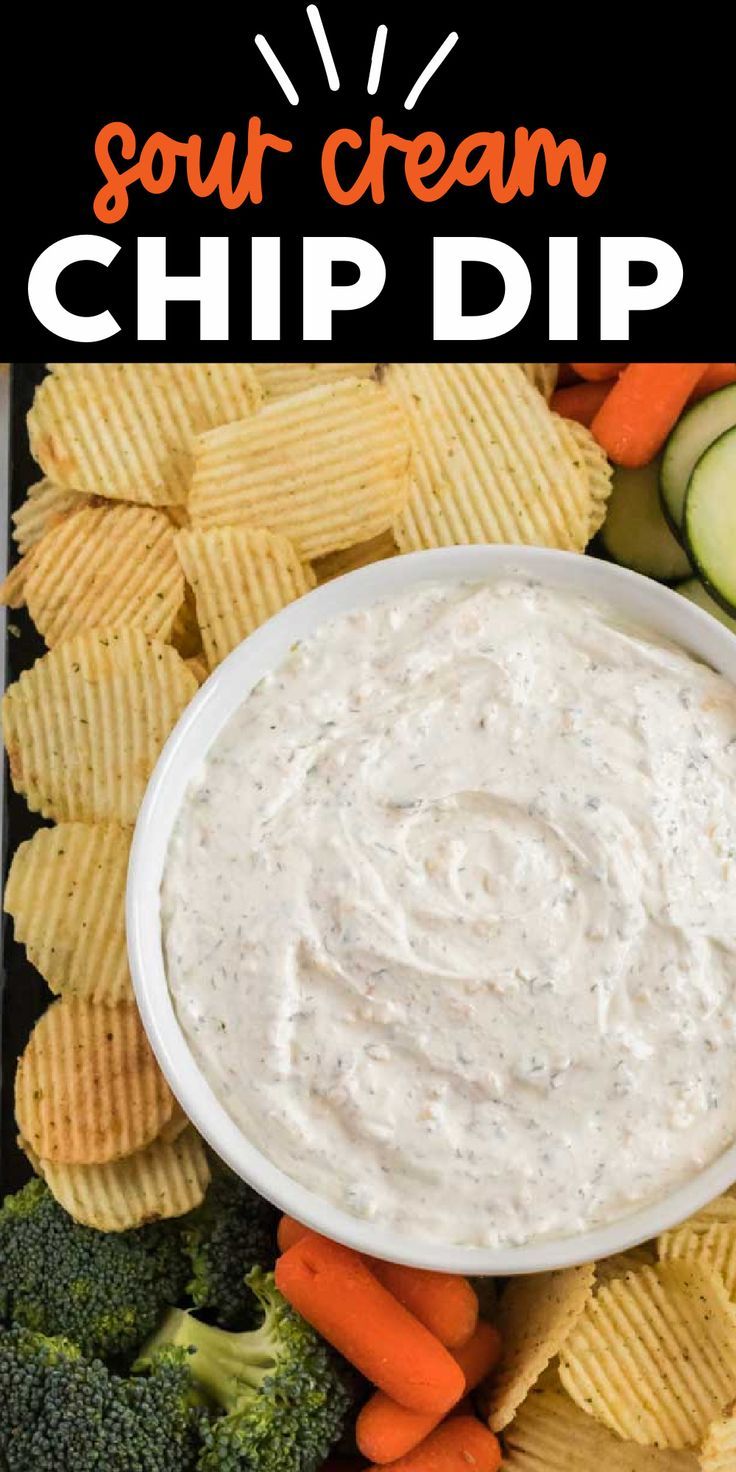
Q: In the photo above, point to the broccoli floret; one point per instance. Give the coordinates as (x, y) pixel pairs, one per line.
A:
(233, 1231)
(283, 1393)
(62, 1413)
(105, 1291)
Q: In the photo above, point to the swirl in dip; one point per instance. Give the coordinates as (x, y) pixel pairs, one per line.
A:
(450, 914)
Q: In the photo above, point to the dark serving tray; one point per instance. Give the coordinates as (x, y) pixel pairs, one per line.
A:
(24, 995)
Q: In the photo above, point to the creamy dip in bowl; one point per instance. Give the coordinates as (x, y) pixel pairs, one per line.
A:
(431, 916)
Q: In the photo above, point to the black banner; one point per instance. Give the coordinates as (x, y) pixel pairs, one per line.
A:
(555, 187)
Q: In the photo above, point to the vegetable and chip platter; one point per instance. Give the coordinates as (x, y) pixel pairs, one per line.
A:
(130, 1245)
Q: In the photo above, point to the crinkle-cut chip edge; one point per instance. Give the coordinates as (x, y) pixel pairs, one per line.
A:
(199, 667)
(621, 1263)
(76, 941)
(241, 577)
(543, 376)
(712, 1245)
(519, 482)
(13, 586)
(105, 567)
(277, 379)
(52, 704)
(718, 1452)
(33, 1159)
(618, 1343)
(165, 1180)
(348, 488)
(559, 1299)
(175, 1126)
(550, 1433)
(125, 430)
(43, 505)
(596, 465)
(88, 1088)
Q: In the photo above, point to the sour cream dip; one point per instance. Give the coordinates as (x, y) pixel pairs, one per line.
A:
(449, 914)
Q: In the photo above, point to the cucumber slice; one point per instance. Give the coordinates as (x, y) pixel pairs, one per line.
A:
(695, 591)
(690, 438)
(635, 532)
(710, 519)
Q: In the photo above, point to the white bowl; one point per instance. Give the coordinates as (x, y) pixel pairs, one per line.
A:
(641, 600)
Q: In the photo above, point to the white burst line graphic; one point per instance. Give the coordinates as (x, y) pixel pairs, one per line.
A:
(430, 69)
(320, 36)
(379, 49)
(328, 61)
(282, 77)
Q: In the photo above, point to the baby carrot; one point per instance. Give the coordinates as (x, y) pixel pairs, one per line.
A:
(595, 372)
(458, 1445)
(447, 1305)
(289, 1232)
(337, 1294)
(444, 1303)
(581, 401)
(638, 414)
(386, 1430)
(717, 375)
(480, 1355)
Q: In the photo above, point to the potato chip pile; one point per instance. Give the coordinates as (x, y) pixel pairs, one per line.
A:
(626, 1365)
(347, 462)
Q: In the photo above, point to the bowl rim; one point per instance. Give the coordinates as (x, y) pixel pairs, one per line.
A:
(650, 604)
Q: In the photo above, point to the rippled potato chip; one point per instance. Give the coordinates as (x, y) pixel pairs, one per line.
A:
(719, 1448)
(621, 1263)
(349, 559)
(279, 380)
(240, 577)
(543, 376)
(167, 1179)
(535, 1316)
(198, 666)
(489, 464)
(30, 1155)
(586, 452)
(125, 430)
(175, 1126)
(45, 503)
(551, 1434)
(66, 893)
(111, 567)
(88, 1089)
(83, 728)
(654, 1355)
(327, 468)
(712, 1245)
(13, 586)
